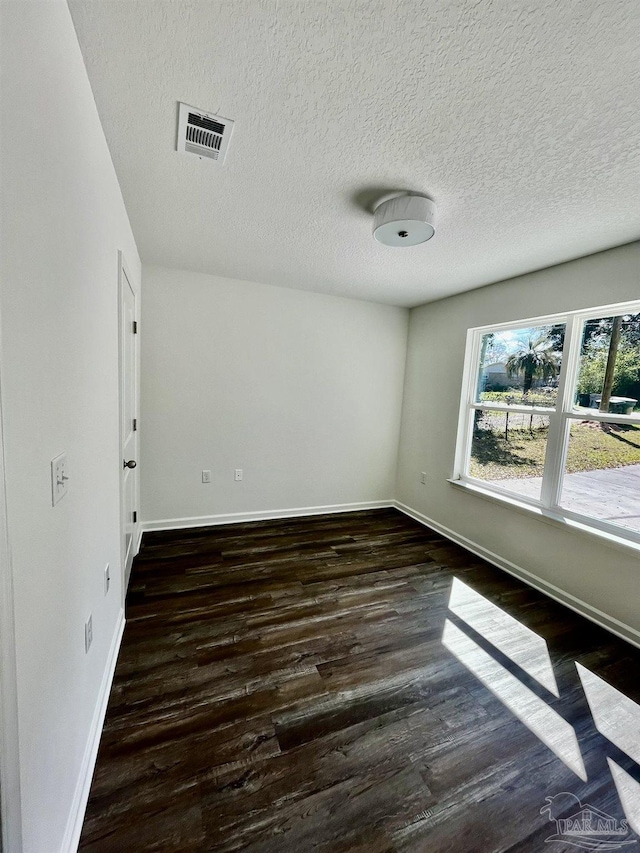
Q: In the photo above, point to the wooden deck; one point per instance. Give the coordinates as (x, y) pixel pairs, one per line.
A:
(354, 684)
(611, 494)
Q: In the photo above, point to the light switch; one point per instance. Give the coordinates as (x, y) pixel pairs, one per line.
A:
(59, 477)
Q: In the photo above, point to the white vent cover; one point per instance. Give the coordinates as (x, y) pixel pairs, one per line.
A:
(204, 134)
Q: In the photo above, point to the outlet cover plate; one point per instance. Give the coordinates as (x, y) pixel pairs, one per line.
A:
(88, 633)
(59, 478)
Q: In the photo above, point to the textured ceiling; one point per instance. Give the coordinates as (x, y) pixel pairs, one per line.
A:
(522, 121)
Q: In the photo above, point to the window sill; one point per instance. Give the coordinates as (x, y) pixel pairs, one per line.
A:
(556, 519)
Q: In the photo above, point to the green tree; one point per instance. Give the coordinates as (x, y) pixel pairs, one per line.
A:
(534, 360)
(626, 377)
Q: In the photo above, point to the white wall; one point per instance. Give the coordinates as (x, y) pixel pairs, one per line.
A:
(302, 391)
(63, 221)
(577, 563)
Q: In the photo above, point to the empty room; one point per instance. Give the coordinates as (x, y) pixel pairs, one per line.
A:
(319, 426)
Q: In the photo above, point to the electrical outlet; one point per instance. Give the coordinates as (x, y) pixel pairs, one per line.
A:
(237, 475)
(88, 633)
(423, 477)
(206, 476)
(59, 477)
(107, 579)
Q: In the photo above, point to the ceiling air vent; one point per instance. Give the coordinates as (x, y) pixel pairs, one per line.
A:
(204, 134)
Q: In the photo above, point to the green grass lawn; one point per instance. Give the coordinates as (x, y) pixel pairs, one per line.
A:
(592, 446)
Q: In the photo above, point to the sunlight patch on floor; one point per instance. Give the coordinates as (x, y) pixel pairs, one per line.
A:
(628, 792)
(519, 643)
(616, 716)
(545, 723)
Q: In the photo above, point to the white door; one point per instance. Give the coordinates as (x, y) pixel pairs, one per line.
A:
(128, 413)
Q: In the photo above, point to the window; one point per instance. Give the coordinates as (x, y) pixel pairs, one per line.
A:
(551, 416)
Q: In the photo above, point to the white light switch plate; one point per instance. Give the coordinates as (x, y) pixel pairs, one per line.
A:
(59, 477)
(88, 633)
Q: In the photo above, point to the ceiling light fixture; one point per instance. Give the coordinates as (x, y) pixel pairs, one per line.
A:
(404, 219)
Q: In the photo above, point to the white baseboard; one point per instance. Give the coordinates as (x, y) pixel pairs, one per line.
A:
(83, 786)
(610, 623)
(260, 515)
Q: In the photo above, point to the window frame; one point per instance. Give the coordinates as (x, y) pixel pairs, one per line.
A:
(560, 417)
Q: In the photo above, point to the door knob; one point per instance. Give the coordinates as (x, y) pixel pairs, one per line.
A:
(130, 464)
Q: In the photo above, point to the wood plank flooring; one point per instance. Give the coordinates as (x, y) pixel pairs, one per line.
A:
(353, 683)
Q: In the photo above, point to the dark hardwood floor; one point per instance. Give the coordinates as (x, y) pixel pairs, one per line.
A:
(355, 683)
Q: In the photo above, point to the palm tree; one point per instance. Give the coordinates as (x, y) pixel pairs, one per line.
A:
(535, 360)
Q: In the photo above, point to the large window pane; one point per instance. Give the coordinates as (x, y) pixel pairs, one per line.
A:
(520, 366)
(609, 370)
(508, 450)
(602, 478)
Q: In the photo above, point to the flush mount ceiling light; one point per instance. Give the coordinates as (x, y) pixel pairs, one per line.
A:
(404, 219)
